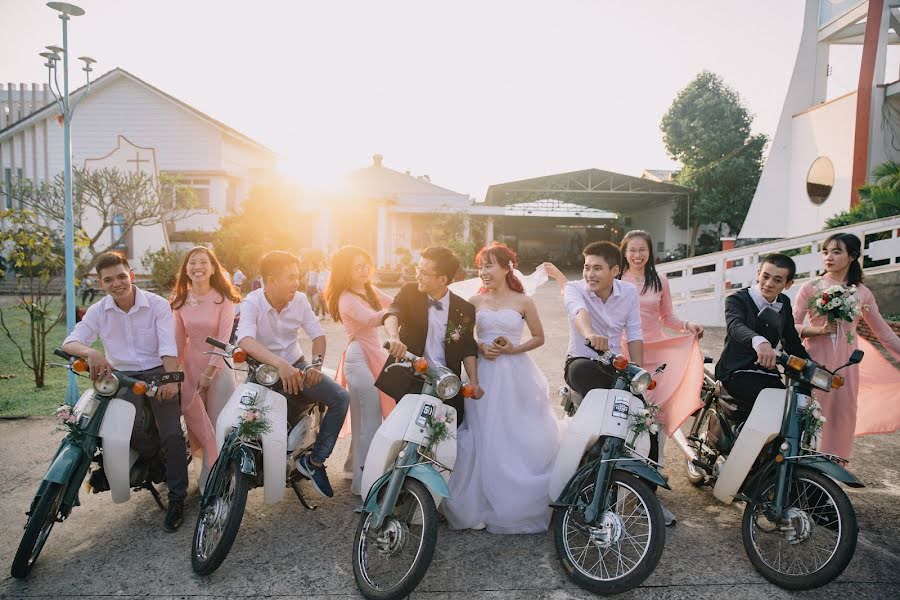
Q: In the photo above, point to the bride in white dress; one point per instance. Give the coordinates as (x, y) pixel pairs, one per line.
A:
(508, 442)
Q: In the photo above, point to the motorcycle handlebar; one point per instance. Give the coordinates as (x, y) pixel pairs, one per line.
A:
(409, 355)
(64, 355)
(214, 342)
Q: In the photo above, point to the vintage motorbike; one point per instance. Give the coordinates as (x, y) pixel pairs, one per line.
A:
(98, 430)
(404, 479)
(258, 447)
(607, 524)
(799, 528)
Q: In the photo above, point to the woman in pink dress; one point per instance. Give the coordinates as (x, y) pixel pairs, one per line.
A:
(360, 306)
(869, 401)
(203, 303)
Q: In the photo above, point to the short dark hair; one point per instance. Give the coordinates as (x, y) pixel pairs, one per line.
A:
(111, 259)
(605, 250)
(782, 261)
(444, 259)
(275, 261)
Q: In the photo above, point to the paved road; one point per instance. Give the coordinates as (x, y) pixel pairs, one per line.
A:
(283, 551)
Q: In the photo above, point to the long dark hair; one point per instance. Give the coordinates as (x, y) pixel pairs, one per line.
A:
(218, 281)
(339, 280)
(505, 257)
(651, 277)
(853, 247)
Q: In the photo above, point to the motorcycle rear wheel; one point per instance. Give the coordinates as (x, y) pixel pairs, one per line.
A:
(37, 530)
(638, 517)
(823, 523)
(380, 571)
(695, 475)
(218, 524)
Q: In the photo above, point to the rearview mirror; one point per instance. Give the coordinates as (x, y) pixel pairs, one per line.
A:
(856, 357)
(660, 369)
(770, 317)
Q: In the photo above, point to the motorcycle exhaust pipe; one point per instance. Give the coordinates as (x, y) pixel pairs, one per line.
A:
(682, 442)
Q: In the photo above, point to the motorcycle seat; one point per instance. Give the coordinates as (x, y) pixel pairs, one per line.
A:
(726, 400)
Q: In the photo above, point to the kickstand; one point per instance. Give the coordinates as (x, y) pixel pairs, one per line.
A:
(295, 485)
(149, 486)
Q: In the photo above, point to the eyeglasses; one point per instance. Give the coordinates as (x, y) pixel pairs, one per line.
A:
(424, 273)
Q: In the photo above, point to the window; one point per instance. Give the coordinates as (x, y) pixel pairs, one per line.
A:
(7, 184)
(660, 247)
(117, 232)
(200, 187)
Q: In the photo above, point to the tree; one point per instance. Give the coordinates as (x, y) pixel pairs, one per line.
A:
(707, 129)
(448, 230)
(107, 204)
(32, 252)
(163, 266)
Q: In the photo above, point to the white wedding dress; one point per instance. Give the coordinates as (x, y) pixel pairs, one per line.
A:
(508, 441)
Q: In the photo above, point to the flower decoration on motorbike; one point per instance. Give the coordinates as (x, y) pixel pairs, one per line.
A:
(438, 430)
(253, 421)
(644, 420)
(66, 420)
(838, 303)
(811, 422)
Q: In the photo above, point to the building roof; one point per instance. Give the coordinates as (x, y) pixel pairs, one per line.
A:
(377, 180)
(118, 73)
(592, 188)
(660, 175)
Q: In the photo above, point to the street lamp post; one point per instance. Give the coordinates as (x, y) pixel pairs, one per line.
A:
(53, 55)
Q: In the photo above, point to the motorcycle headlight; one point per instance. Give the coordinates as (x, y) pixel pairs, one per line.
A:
(640, 382)
(107, 385)
(267, 375)
(447, 386)
(821, 379)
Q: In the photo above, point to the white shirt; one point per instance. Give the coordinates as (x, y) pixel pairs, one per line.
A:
(760, 301)
(132, 341)
(278, 331)
(437, 331)
(621, 312)
(238, 278)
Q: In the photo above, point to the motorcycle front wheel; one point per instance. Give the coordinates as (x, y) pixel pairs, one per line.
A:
(37, 529)
(618, 551)
(815, 540)
(218, 523)
(389, 562)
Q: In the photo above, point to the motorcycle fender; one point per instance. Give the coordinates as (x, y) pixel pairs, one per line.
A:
(643, 471)
(762, 426)
(64, 463)
(115, 431)
(602, 413)
(425, 473)
(831, 469)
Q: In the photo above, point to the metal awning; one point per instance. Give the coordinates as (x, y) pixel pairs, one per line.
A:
(592, 188)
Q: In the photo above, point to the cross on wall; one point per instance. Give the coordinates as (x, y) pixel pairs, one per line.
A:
(137, 160)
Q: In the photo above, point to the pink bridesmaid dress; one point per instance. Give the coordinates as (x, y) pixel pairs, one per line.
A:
(678, 387)
(869, 402)
(198, 318)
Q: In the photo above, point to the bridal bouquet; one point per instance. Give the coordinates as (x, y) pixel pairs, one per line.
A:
(837, 303)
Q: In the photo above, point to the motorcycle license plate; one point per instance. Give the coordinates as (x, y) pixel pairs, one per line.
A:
(621, 408)
(427, 411)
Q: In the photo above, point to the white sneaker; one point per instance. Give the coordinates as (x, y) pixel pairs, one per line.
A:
(478, 527)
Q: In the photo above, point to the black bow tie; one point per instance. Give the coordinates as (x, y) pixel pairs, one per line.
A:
(436, 304)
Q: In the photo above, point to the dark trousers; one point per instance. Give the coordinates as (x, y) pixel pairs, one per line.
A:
(745, 386)
(584, 375)
(333, 396)
(84, 296)
(168, 423)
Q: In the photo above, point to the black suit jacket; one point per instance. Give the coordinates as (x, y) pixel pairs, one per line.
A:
(410, 306)
(743, 324)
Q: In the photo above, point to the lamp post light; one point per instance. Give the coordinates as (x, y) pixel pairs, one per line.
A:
(53, 55)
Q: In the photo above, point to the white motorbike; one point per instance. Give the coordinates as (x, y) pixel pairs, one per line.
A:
(404, 479)
(258, 447)
(799, 528)
(607, 523)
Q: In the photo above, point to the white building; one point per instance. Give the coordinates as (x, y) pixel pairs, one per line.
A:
(825, 148)
(127, 123)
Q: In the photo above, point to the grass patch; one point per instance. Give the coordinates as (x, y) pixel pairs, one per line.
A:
(18, 395)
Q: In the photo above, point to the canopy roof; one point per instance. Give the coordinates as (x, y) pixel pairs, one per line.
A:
(592, 188)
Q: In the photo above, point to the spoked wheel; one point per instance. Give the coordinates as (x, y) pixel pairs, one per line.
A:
(390, 562)
(37, 530)
(624, 545)
(218, 523)
(815, 541)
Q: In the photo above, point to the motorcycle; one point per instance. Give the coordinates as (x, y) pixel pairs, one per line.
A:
(607, 523)
(258, 448)
(405, 476)
(98, 430)
(799, 528)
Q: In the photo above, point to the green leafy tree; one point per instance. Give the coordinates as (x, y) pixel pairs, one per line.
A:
(707, 129)
(877, 200)
(31, 255)
(163, 266)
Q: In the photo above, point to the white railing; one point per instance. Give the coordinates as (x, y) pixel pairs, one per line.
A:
(700, 285)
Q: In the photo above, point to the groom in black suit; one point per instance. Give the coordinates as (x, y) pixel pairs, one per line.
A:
(429, 320)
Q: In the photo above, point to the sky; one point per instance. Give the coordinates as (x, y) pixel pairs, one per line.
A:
(468, 92)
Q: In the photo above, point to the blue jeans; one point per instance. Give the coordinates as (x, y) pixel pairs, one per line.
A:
(333, 396)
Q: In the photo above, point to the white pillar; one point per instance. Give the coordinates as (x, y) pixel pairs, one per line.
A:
(489, 232)
(381, 256)
(467, 227)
